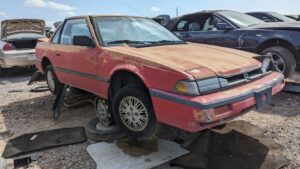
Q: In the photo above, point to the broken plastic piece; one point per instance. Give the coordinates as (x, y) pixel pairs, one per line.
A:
(37, 76)
(59, 101)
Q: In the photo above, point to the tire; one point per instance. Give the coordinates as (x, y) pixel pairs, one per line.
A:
(286, 55)
(110, 133)
(52, 81)
(145, 129)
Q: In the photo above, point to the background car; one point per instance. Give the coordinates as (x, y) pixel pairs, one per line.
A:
(241, 31)
(271, 17)
(18, 41)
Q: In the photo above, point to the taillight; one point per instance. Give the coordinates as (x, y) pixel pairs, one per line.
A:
(8, 47)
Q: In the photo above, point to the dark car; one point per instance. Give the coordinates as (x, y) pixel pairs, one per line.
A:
(241, 31)
(295, 17)
(271, 17)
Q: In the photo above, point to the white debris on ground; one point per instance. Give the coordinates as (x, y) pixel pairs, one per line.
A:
(22, 111)
(116, 158)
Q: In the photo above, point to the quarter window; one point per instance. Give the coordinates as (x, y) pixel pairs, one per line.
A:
(55, 39)
(74, 27)
(182, 26)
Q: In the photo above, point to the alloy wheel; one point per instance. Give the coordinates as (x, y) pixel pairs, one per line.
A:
(278, 62)
(133, 113)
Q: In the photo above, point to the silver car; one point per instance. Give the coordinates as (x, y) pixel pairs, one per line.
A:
(18, 40)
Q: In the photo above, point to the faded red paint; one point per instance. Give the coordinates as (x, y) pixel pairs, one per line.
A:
(160, 68)
(192, 119)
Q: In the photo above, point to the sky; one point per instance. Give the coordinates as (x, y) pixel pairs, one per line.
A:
(56, 10)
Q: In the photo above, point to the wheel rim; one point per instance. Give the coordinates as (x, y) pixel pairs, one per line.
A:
(133, 114)
(102, 112)
(50, 81)
(278, 63)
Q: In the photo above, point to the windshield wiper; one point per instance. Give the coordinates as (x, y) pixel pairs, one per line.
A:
(126, 41)
(169, 41)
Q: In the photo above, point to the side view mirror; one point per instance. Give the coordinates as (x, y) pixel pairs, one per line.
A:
(224, 26)
(83, 41)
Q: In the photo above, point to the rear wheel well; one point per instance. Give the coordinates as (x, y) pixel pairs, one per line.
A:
(45, 62)
(278, 42)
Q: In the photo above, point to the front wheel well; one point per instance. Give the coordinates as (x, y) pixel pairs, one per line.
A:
(121, 79)
(278, 42)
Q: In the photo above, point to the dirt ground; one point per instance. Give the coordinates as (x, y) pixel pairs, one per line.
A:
(22, 111)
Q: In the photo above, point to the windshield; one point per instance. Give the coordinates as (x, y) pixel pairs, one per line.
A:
(240, 19)
(134, 31)
(281, 17)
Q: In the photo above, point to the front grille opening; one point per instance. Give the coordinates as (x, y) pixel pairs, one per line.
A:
(236, 79)
(244, 77)
(255, 74)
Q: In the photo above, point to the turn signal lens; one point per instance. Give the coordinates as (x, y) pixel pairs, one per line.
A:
(187, 87)
(8, 47)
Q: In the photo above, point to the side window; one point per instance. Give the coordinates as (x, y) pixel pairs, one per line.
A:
(74, 27)
(55, 39)
(181, 26)
(211, 23)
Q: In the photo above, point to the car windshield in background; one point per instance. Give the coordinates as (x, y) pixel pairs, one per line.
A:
(240, 19)
(281, 17)
(117, 30)
(24, 36)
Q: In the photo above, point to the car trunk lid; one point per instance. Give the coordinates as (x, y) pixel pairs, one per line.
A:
(16, 26)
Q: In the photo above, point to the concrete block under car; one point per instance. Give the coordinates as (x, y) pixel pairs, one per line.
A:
(109, 155)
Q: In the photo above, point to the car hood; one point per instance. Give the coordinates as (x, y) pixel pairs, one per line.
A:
(278, 26)
(187, 57)
(16, 26)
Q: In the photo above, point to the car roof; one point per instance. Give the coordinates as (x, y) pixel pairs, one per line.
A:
(109, 15)
(201, 12)
(261, 12)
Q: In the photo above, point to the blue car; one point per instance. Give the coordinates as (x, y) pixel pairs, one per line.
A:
(240, 31)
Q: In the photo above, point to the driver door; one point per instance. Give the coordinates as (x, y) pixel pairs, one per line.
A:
(82, 61)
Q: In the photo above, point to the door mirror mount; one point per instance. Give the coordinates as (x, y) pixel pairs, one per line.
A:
(83, 41)
(224, 26)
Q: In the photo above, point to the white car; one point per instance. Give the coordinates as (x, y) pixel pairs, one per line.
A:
(18, 40)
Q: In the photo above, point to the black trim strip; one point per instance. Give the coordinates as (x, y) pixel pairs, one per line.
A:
(218, 103)
(86, 75)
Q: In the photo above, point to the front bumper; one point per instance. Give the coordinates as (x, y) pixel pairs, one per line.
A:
(13, 58)
(197, 113)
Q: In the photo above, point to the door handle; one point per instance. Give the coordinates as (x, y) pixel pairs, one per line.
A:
(57, 53)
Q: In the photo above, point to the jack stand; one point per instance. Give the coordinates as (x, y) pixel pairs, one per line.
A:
(59, 101)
